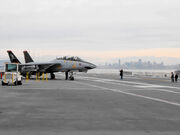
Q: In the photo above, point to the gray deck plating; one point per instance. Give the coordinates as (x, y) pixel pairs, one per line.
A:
(92, 104)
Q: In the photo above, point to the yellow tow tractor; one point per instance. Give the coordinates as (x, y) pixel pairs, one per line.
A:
(11, 74)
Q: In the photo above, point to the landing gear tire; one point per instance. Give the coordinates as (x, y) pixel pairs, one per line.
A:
(71, 77)
(52, 76)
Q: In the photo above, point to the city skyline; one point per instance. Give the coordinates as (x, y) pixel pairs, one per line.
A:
(42, 55)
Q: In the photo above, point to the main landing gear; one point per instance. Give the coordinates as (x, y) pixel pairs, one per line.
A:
(68, 76)
(53, 76)
(71, 77)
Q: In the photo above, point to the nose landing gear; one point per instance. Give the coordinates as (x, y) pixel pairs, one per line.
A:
(69, 75)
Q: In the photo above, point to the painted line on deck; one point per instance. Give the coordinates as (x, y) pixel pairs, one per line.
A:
(132, 94)
(137, 86)
(156, 79)
(163, 90)
(124, 83)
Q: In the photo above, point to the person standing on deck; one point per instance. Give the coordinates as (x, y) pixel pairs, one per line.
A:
(121, 74)
(172, 77)
(176, 77)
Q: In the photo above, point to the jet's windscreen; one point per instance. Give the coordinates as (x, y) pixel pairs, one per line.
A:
(70, 58)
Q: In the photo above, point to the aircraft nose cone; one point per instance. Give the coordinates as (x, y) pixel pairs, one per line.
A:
(90, 66)
(93, 66)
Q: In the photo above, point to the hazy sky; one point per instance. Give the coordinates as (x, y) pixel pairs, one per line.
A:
(91, 28)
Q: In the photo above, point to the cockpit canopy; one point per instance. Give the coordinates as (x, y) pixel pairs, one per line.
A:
(70, 58)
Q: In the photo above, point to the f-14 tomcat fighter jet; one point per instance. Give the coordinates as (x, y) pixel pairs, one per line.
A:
(64, 64)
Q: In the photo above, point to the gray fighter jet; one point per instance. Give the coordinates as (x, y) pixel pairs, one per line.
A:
(64, 64)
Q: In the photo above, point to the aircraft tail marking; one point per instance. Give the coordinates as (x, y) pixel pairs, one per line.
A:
(27, 57)
(12, 57)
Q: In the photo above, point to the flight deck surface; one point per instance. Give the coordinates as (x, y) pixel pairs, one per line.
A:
(93, 104)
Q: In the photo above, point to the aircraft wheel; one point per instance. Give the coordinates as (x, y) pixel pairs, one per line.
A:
(71, 78)
(52, 76)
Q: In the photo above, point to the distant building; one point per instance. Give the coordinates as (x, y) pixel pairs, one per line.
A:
(119, 63)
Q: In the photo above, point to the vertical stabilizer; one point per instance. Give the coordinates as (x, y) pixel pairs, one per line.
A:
(27, 57)
(12, 57)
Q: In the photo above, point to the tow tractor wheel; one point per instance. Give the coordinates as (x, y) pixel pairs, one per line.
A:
(3, 83)
(16, 83)
(19, 83)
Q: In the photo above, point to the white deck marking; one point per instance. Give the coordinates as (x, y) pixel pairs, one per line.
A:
(138, 86)
(144, 85)
(128, 82)
(132, 94)
(164, 90)
(149, 86)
